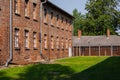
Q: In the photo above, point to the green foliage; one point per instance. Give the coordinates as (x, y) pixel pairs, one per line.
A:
(101, 15)
(78, 21)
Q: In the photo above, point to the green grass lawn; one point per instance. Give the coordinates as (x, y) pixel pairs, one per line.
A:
(76, 68)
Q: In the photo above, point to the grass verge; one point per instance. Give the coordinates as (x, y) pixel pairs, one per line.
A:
(75, 68)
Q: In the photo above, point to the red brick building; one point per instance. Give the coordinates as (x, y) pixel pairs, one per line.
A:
(26, 36)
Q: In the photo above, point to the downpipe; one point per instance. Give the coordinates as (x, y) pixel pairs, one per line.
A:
(41, 10)
(10, 38)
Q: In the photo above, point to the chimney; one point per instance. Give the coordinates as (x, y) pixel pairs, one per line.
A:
(108, 33)
(79, 33)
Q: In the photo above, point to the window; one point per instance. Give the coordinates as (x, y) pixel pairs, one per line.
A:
(16, 38)
(66, 44)
(70, 43)
(17, 6)
(61, 19)
(45, 41)
(26, 39)
(66, 25)
(34, 40)
(62, 22)
(57, 19)
(62, 45)
(45, 15)
(51, 18)
(27, 8)
(34, 11)
(70, 26)
(66, 21)
(52, 42)
(57, 43)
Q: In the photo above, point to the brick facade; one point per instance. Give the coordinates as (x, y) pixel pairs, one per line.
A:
(24, 19)
(58, 29)
(4, 30)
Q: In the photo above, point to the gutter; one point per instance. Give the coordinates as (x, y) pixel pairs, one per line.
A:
(10, 38)
(41, 6)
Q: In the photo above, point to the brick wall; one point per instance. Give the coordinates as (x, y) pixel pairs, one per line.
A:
(21, 54)
(57, 29)
(4, 31)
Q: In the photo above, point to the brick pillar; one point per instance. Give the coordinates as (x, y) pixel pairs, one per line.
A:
(108, 33)
(79, 33)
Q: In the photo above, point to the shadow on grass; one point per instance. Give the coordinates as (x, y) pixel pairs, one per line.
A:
(109, 69)
(106, 70)
(46, 72)
(3, 77)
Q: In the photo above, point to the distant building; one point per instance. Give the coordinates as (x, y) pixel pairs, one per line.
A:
(106, 45)
(21, 29)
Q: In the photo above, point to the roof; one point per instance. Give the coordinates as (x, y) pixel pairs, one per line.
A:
(112, 40)
(58, 8)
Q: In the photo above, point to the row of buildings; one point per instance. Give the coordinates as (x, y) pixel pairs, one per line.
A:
(104, 45)
(32, 30)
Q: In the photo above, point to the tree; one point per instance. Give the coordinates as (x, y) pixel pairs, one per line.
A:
(102, 14)
(78, 21)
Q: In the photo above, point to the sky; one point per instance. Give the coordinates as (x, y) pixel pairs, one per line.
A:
(70, 5)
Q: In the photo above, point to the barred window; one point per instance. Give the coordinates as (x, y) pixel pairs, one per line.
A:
(52, 42)
(26, 39)
(52, 19)
(62, 44)
(57, 43)
(34, 11)
(27, 8)
(17, 6)
(66, 44)
(34, 40)
(45, 41)
(16, 37)
(45, 15)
